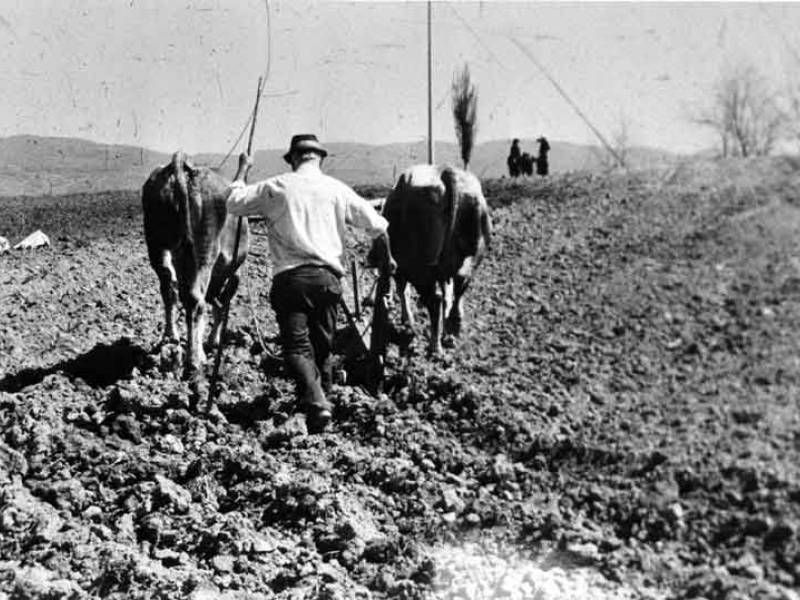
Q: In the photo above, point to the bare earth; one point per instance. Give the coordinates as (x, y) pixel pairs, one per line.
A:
(620, 419)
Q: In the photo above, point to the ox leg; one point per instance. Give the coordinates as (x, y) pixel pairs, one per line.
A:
(196, 317)
(447, 299)
(195, 309)
(200, 320)
(220, 302)
(193, 299)
(432, 298)
(455, 315)
(447, 311)
(161, 261)
(406, 316)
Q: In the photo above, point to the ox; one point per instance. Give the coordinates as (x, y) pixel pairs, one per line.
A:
(190, 241)
(439, 229)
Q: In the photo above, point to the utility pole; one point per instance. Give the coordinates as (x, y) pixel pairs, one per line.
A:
(430, 90)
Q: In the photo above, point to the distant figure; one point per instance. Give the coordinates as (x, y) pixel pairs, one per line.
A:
(526, 164)
(514, 156)
(541, 160)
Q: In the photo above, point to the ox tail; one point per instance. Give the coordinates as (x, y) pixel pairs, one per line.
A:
(449, 179)
(486, 228)
(182, 196)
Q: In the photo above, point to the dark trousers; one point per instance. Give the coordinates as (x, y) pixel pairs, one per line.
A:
(305, 300)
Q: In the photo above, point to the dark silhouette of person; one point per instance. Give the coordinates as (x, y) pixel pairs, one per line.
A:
(514, 156)
(526, 163)
(542, 166)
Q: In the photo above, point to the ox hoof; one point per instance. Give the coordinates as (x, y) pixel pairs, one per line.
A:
(170, 359)
(434, 351)
(209, 349)
(198, 391)
(318, 420)
(198, 360)
(213, 341)
(453, 327)
(193, 374)
(448, 341)
(213, 413)
(402, 336)
(167, 341)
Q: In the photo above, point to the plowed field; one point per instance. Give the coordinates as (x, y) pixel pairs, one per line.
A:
(620, 418)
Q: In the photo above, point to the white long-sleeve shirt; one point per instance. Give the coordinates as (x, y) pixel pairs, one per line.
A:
(306, 212)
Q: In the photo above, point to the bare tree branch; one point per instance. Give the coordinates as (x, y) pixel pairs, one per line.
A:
(620, 143)
(745, 113)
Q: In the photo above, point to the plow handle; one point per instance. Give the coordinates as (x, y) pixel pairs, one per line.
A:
(212, 388)
(379, 337)
(356, 300)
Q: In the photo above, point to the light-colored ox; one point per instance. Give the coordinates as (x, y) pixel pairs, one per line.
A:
(439, 228)
(190, 241)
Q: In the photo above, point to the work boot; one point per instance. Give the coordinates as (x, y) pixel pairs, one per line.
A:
(317, 419)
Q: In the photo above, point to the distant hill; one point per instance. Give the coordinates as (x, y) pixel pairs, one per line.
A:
(32, 165)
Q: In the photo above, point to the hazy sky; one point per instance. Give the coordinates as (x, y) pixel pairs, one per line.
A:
(182, 73)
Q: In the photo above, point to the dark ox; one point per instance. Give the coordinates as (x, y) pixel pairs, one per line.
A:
(190, 241)
(439, 229)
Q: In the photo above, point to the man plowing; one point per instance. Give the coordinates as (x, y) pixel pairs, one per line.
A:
(306, 212)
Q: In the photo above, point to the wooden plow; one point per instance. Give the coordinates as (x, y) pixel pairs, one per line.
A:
(365, 340)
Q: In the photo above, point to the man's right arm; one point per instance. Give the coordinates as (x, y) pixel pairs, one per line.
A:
(362, 214)
(246, 200)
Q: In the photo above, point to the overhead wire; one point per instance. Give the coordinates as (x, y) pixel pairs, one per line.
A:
(519, 83)
(547, 75)
(526, 51)
(499, 63)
